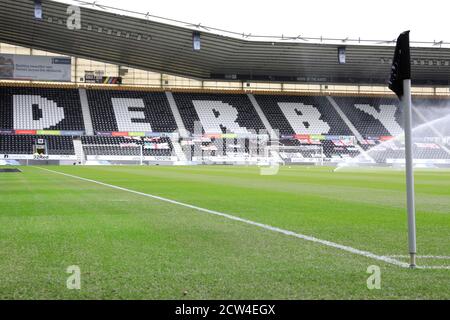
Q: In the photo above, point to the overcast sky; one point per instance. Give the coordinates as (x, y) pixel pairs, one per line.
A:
(375, 19)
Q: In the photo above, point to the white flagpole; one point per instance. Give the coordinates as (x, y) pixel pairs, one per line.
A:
(407, 107)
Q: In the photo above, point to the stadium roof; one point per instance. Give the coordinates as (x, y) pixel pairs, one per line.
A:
(151, 45)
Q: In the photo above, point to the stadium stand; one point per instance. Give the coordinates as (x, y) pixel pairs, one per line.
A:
(126, 146)
(392, 151)
(297, 118)
(36, 108)
(226, 146)
(23, 144)
(218, 113)
(218, 146)
(114, 110)
(372, 116)
(302, 115)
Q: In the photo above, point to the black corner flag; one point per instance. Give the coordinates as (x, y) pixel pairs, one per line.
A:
(401, 66)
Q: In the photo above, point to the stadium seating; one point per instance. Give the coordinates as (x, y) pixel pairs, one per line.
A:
(130, 111)
(220, 147)
(395, 150)
(302, 115)
(126, 146)
(59, 108)
(228, 146)
(372, 116)
(23, 144)
(218, 113)
(32, 108)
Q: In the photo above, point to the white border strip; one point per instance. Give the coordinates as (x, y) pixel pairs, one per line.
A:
(434, 267)
(420, 257)
(363, 253)
(401, 256)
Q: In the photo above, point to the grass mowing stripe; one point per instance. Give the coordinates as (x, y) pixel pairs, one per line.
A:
(261, 225)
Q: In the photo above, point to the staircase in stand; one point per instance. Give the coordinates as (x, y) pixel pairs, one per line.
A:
(78, 146)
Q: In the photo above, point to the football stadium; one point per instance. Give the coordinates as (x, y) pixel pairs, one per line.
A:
(148, 158)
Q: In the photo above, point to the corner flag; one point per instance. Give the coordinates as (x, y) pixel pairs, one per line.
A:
(401, 65)
(400, 84)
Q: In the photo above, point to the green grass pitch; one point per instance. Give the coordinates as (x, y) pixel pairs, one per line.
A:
(133, 247)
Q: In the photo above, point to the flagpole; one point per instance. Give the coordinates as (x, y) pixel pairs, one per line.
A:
(400, 83)
(407, 107)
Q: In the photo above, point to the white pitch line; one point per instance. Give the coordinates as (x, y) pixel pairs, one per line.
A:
(434, 267)
(400, 256)
(420, 257)
(363, 253)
